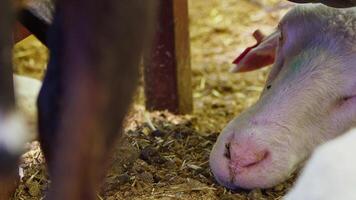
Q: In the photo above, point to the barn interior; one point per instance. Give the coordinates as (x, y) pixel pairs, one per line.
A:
(163, 155)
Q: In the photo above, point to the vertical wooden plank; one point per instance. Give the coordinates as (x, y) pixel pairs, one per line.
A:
(167, 68)
(182, 47)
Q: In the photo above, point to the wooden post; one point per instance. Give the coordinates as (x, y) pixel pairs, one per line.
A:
(167, 69)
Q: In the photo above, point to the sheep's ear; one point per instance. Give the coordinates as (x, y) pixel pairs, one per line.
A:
(260, 55)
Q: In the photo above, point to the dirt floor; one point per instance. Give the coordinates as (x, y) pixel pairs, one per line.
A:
(164, 156)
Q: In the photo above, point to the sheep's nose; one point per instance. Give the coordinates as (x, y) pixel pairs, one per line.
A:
(243, 156)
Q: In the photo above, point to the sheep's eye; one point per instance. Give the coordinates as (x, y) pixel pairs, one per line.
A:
(345, 99)
(268, 87)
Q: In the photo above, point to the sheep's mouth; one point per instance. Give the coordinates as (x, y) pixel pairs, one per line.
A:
(237, 168)
(262, 158)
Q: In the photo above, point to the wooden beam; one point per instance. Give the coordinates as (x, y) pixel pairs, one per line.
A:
(167, 69)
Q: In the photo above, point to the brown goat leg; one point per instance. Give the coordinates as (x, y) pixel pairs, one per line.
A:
(96, 49)
(8, 152)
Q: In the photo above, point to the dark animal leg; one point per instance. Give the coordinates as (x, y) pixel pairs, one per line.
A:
(8, 155)
(7, 99)
(51, 93)
(95, 52)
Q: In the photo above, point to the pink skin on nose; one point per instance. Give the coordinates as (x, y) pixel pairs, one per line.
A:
(244, 156)
(237, 161)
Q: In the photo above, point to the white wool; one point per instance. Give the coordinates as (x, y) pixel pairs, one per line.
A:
(326, 20)
(13, 132)
(26, 92)
(42, 8)
(330, 174)
(18, 127)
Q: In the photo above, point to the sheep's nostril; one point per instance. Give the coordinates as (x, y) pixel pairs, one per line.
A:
(227, 151)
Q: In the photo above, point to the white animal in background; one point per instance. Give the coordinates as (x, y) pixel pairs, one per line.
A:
(330, 174)
(309, 98)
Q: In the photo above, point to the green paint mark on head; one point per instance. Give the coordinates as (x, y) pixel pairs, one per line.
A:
(296, 64)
